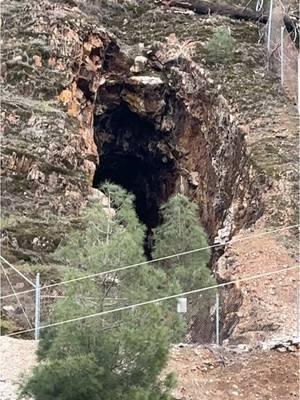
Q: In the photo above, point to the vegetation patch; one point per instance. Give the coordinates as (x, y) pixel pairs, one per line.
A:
(221, 46)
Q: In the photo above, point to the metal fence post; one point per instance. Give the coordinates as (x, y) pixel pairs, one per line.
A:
(37, 307)
(282, 55)
(217, 318)
(270, 25)
(298, 76)
(298, 313)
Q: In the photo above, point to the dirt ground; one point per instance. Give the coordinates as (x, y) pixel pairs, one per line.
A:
(258, 375)
(264, 309)
(202, 373)
(17, 357)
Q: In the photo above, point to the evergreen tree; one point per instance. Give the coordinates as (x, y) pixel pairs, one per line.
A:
(117, 356)
(180, 232)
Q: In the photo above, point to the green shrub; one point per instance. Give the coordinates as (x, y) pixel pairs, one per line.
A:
(220, 47)
(7, 327)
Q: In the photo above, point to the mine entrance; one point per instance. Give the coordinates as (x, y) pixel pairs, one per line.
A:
(133, 154)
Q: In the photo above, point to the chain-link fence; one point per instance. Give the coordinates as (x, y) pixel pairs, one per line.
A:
(248, 310)
(283, 47)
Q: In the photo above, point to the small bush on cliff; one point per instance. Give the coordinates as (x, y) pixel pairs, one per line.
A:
(220, 47)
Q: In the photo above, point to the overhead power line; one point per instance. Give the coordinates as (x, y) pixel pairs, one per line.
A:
(157, 300)
(155, 260)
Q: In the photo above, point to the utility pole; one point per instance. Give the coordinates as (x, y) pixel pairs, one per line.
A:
(37, 307)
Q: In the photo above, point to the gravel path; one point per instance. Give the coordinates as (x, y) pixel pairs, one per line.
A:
(16, 360)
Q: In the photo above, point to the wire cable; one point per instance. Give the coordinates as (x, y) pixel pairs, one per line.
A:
(259, 5)
(157, 259)
(158, 300)
(17, 271)
(17, 297)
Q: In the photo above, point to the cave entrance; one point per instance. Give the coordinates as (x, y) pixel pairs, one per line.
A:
(133, 154)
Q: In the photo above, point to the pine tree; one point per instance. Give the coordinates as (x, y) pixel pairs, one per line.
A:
(181, 232)
(117, 356)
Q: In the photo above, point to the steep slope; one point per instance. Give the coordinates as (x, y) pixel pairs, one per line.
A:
(224, 135)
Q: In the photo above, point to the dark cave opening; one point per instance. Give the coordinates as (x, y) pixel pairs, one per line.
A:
(131, 155)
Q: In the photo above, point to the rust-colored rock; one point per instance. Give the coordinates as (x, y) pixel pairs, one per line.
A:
(212, 129)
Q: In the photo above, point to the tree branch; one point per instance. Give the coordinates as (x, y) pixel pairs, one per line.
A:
(203, 7)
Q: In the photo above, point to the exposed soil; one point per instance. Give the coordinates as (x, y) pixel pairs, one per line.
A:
(267, 308)
(253, 376)
(204, 373)
(17, 359)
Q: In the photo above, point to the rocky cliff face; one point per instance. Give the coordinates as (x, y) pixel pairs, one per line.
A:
(66, 77)
(81, 106)
(48, 152)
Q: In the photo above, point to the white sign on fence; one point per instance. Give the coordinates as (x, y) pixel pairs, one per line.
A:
(182, 305)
